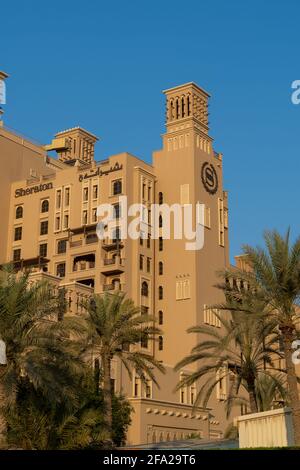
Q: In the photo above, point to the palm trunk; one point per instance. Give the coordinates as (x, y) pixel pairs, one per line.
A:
(3, 442)
(252, 398)
(106, 361)
(288, 337)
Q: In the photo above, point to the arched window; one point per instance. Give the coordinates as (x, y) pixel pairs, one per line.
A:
(145, 289)
(160, 343)
(160, 221)
(160, 317)
(19, 212)
(177, 109)
(160, 292)
(117, 187)
(182, 107)
(160, 198)
(188, 106)
(45, 206)
(160, 268)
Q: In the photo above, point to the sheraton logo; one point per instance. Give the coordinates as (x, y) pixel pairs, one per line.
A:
(33, 189)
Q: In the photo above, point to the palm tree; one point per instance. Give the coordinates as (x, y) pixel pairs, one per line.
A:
(237, 353)
(38, 347)
(277, 272)
(115, 328)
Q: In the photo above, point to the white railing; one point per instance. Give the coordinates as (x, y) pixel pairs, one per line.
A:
(272, 428)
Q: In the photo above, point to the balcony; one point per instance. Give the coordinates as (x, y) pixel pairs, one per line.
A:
(84, 262)
(113, 266)
(112, 244)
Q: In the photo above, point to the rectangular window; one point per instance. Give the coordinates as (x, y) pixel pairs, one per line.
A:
(117, 211)
(58, 199)
(85, 194)
(148, 265)
(95, 191)
(61, 269)
(94, 215)
(116, 187)
(149, 241)
(18, 233)
(43, 250)
(183, 289)
(221, 221)
(66, 221)
(210, 317)
(61, 246)
(141, 262)
(221, 388)
(84, 217)
(44, 227)
(57, 222)
(67, 196)
(17, 254)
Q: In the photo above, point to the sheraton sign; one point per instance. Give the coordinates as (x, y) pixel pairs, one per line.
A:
(33, 189)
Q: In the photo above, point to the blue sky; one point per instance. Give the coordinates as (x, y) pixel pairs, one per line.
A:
(102, 65)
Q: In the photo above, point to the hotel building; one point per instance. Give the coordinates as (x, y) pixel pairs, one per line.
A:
(49, 200)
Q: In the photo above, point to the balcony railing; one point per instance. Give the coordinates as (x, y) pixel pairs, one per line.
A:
(83, 265)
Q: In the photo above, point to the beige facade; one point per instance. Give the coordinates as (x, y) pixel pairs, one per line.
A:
(49, 205)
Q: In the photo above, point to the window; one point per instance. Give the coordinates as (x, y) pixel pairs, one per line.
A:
(57, 222)
(221, 377)
(94, 215)
(141, 240)
(18, 233)
(44, 227)
(221, 221)
(160, 268)
(160, 292)
(148, 265)
(141, 262)
(61, 270)
(117, 187)
(160, 318)
(193, 394)
(19, 212)
(160, 244)
(84, 217)
(149, 216)
(85, 194)
(43, 250)
(207, 222)
(160, 343)
(58, 199)
(211, 316)
(145, 289)
(67, 196)
(144, 310)
(160, 221)
(66, 221)
(144, 340)
(160, 198)
(61, 246)
(116, 234)
(144, 190)
(148, 391)
(117, 211)
(137, 386)
(45, 206)
(149, 193)
(17, 254)
(95, 191)
(183, 289)
(149, 241)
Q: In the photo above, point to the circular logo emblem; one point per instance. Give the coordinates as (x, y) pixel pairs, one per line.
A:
(209, 178)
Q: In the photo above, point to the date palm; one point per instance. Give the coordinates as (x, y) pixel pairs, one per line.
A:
(237, 353)
(277, 271)
(38, 347)
(115, 328)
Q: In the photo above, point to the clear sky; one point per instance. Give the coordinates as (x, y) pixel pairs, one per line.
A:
(102, 65)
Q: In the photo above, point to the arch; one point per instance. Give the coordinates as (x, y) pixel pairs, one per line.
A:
(45, 206)
(182, 107)
(188, 100)
(19, 212)
(160, 221)
(177, 108)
